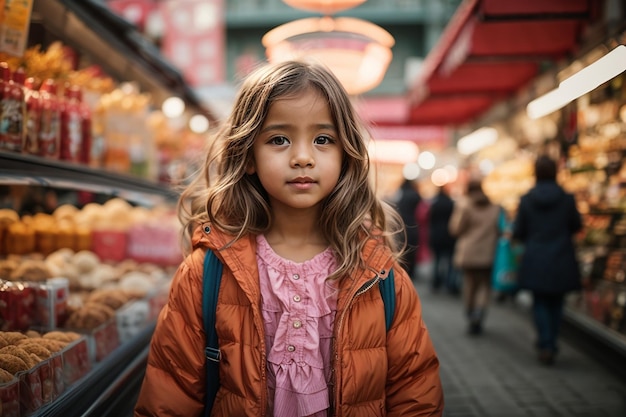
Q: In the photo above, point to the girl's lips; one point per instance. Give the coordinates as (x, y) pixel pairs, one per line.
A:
(301, 180)
(302, 183)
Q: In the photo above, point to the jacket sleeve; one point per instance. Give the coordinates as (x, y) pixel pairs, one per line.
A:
(174, 382)
(413, 382)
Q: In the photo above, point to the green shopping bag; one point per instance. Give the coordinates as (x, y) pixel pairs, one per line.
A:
(506, 265)
(507, 258)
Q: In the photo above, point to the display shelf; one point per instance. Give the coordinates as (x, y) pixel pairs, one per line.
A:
(113, 378)
(31, 170)
(601, 342)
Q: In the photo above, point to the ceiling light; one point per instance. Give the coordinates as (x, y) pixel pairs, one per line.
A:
(198, 123)
(173, 107)
(477, 140)
(356, 51)
(579, 84)
(548, 103)
(326, 7)
(591, 77)
(426, 160)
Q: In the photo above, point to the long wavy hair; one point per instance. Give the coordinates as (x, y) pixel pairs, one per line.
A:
(237, 203)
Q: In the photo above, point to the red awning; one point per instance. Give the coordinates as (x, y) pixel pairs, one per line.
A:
(490, 50)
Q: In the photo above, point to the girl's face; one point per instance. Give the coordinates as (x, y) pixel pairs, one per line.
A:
(297, 154)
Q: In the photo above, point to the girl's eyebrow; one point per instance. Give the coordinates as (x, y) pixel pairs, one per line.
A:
(324, 126)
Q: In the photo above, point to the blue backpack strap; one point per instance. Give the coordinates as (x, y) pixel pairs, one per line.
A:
(387, 288)
(210, 289)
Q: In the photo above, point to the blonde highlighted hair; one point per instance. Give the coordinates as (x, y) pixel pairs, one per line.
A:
(236, 202)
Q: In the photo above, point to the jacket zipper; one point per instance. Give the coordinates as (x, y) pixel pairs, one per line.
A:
(364, 288)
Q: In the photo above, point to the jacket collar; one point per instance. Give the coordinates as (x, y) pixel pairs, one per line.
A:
(377, 257)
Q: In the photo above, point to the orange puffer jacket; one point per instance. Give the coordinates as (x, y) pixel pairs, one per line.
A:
(375, 373)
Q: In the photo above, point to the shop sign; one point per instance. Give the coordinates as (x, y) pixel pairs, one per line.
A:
(194, 39)
(135, 11)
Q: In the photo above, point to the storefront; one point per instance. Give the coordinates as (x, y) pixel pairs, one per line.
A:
(496, 57)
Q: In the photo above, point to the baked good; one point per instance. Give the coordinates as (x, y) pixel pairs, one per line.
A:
(113, 298)
(7, 266)
(52, 345)
(5, 376)
(12, 363)
(20, 353)
(31, 270)
(65, 336)
(19, 238)
(13, 338)
(37, 349)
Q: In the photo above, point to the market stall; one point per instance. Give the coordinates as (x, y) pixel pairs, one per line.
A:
(88, 232)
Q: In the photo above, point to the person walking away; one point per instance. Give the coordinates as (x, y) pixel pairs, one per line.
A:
(441, 242)
(406, 204)
(424, 256)
(546, 221)
(474, 222)
(284, 201)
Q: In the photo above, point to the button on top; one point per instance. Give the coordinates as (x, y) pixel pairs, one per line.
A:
(297, 324)
(291, 348)
(296, 298)
(296, 276)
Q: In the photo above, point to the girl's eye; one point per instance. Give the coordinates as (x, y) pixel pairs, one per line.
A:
(323, 140)
(279, 140)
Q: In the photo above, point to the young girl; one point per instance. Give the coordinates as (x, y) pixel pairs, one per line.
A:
(304, 242)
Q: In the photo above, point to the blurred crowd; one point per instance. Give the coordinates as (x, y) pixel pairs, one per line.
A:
(478, 250)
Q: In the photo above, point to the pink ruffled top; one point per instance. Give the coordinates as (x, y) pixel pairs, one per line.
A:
(299, 308)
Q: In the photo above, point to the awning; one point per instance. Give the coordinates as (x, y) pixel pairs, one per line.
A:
(490, 50)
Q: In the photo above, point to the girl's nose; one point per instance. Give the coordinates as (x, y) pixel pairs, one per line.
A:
(302, 157)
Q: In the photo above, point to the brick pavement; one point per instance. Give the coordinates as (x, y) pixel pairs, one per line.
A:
(497, 374)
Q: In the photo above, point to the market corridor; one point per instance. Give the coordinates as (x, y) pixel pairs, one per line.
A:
(497, 374)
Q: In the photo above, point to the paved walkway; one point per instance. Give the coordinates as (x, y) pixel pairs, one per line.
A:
(497, 374)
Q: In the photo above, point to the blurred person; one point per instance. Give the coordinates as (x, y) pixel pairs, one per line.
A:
(287, 207)
(474, 222)
(406, 201)
(546, 221)
(424, 256)
(441, 242)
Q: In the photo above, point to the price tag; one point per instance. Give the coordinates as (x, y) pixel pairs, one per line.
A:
(15, 25)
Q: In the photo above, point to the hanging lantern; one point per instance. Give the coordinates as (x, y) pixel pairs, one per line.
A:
(357, 52)
(326, 7)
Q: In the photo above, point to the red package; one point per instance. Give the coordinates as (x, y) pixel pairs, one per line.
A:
(105, 339)
(12, 114)
(109, 245)
(49, 139)
(51, 303)
(56, 371)
(10, 398)
(30, 391)
(76, 362)
(155, 243)
(17, 306)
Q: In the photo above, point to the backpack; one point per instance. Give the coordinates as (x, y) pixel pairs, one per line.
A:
(211, 279)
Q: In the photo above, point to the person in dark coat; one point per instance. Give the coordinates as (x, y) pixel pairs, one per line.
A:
(546, 220)
(441, 242)
(406, 203)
